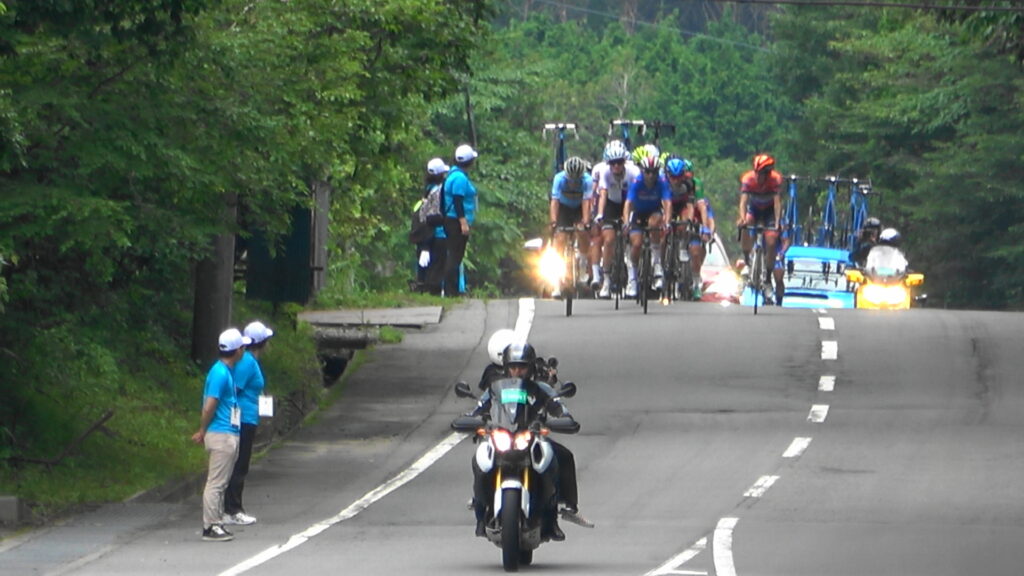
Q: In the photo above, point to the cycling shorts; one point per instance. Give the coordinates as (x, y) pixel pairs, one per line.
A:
(569, 216)
(612, 211)
(640, 220)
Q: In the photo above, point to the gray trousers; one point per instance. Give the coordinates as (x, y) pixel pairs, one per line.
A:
(223, 450)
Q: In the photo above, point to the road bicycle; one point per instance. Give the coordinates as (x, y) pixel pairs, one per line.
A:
(678, 281)
(645, 275)
(760, 266)
(827, 228)
(575, 263)
(617, 278)
(621, 128)
(792, 211)
(860, 191)
(560, 129)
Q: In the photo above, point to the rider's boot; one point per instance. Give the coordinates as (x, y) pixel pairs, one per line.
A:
(606, 289)
(659, 272)
(631, 283)
(595, 277)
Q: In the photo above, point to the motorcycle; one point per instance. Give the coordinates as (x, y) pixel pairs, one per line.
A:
(884, 283)
(513, 446)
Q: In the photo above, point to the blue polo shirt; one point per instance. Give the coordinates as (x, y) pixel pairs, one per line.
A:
(249, 385)
(458, 184)
(221, 385)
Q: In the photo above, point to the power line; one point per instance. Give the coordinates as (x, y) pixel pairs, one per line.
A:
(872, 4)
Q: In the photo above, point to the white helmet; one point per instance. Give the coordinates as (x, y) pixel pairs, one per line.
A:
(889, 236)
(497, 344)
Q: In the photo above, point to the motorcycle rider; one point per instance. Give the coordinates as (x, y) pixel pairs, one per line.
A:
(519, 361)
(866, 240)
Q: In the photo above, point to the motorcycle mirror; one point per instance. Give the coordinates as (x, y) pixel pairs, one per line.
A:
(568, 390)
(563, 425)
(915, 279)
(462, 390)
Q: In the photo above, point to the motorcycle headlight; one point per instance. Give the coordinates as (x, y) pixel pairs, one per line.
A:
(523, 440)
(502, 440)
(880, 294)
(552, 269)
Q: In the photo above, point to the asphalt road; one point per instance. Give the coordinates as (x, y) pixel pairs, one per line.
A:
(713, 442)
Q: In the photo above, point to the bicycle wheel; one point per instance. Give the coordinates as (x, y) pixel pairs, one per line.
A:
(646, 274)
(569, 284)
(618, 268)
(757, 272)
(670, 268)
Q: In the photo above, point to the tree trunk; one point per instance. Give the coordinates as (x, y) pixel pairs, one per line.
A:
(214, 280)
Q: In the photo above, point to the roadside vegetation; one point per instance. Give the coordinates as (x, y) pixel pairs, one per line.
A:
(124, 131)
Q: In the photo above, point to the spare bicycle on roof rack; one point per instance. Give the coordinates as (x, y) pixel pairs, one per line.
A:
(559, 129)
(621, 130)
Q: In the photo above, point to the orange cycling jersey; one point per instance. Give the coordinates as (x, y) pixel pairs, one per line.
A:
(760, 193)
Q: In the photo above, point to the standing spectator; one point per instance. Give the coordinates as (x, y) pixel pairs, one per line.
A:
(249, 385)
(460, 216)
(436, 247)
(218, 431)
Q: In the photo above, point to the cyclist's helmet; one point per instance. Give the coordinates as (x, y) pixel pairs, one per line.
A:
(497, 344)
(890, 237)
(521, 353)
(675, 167)
(763, 162)
(650, 163)
(575, 166)
(646, 151)
(615, 150)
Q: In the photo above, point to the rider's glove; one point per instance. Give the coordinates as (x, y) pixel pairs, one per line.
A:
(599, 218)
(705, 231)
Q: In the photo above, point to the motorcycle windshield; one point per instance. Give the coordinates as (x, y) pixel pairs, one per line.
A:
(885, 263)
(510, 404)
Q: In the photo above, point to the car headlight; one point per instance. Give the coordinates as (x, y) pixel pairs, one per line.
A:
(880, 294)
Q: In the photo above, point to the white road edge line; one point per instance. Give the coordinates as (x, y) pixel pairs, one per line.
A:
(829, 349)
(722, 547)
(827, 323)
(827, 383)
(797, 447)
(671, 567)
(818, 413)
(760, 487)
(524, 323)
(353, 509)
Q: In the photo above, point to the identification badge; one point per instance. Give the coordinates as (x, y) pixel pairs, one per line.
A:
(266, 406)
(236, 417)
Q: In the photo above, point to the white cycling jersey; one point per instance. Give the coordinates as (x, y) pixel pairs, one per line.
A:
(617, 187)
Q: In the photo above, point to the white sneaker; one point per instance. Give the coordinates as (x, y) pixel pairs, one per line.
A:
(239, 519)
(631, 288)
(606, 290)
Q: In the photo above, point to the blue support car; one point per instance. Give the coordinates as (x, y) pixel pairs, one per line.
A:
(815, 278)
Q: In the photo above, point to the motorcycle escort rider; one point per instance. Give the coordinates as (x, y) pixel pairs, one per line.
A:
(519, 361)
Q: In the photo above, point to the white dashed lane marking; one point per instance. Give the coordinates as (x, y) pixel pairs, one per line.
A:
(818, 413)
(722, 547)
(827, 323)
(827, 383)
(760, 487)
(797, 447)
(829, 349)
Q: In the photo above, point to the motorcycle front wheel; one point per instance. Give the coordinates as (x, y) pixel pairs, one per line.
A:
(511, 502)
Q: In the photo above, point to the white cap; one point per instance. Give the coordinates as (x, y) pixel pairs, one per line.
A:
(437, 166)
(258, 332)
(465, 153)
(231, 340)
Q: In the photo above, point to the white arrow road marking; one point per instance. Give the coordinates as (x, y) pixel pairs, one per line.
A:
(797, 447)
(722, 547)
(829, 349)
(827, 383)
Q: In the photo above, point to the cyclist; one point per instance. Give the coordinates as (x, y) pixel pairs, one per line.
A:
(867, 238)
(761, 204)
(690, 205)
(571, 193)
(648, 204)
(613, 184)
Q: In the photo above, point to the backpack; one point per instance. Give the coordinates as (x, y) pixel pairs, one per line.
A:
(427, 216)
(430, 211)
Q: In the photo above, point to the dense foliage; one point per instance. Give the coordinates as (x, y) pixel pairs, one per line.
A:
(126, 125)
